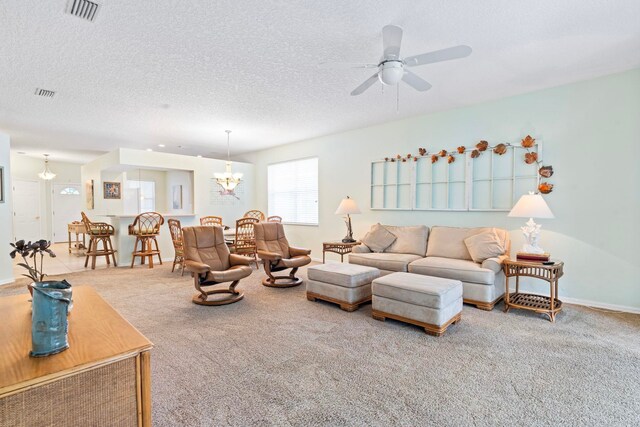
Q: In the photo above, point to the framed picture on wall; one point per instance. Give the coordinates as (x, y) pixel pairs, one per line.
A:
(1, 184)
(111, 190)
(177, 197)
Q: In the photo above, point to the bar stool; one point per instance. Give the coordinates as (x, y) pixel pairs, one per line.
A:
(175, 229)
(146, 227)
(98, 232)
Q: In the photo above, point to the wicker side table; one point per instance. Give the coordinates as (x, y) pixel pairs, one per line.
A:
(337, 247)
(550, 305)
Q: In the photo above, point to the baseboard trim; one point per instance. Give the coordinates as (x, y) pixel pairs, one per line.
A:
(7, 281)
(605, 306)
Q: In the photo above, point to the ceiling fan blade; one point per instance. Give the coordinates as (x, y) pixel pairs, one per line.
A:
(438, 55)
(418, 83)
(366, 85)
(391, 39)
(346, 65)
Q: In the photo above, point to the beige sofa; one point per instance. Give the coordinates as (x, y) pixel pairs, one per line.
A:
(441, 252)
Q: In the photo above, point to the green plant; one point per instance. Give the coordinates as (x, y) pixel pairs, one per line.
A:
(31, 250)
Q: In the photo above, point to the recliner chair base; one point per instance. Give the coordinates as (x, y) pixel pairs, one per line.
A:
(230, 299)
(202, 297)
(281, 282)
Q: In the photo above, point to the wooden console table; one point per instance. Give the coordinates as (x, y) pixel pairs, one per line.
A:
(337, 247)
(550, 305)
(104, 378)
(77, 228)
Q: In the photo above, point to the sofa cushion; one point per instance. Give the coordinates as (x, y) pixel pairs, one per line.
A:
(458, 269)
(378, 238)
(448, 242)
(434, 292)
(484, 245)
(410, 239)
(383, 261)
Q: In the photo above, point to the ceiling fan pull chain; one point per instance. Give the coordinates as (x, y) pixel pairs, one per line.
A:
(398, 98)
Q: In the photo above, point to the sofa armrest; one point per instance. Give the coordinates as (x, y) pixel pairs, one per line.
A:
(293, 251)
(361, 249)
(196, 267)
(235, 259)
(271, 256)
(494, 264)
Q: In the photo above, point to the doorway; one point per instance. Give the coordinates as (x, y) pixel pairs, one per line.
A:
(65, 206)
(27, 223)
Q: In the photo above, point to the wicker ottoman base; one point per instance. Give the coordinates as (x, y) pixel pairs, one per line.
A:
(344, 305)
(434, 330)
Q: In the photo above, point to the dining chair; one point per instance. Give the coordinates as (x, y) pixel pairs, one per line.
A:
(211, 220)
(254, 213)
(175, 230)
(245, 243)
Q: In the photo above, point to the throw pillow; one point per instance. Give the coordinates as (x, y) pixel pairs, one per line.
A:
(378, 238)
(484, 245)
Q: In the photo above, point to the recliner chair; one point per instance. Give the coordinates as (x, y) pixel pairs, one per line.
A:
(208, 259)
(276, 254)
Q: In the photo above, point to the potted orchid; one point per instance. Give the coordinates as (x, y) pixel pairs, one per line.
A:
(32, 250)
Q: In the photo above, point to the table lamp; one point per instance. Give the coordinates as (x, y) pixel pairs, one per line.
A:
(531, 206)
(347, 207)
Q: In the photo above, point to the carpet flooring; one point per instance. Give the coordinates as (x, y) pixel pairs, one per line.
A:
(275, 358)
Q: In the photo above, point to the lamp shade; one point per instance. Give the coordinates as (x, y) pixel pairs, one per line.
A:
(531, 206)
(347, 206)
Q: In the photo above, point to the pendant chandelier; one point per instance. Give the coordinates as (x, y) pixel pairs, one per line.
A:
(46, 174)
(228, 180)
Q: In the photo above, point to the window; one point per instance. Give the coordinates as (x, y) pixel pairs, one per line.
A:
(293, 191)
(140, 196)
(69, 191)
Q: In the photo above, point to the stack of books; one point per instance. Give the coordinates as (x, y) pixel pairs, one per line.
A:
(523, 256)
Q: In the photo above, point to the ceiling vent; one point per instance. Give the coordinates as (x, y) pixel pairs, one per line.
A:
(44, 92)
(83, 9)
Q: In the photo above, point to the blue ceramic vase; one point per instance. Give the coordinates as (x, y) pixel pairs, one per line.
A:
(49, 323)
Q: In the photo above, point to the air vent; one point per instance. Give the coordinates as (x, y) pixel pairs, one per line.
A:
(44, 92)
(83, 9)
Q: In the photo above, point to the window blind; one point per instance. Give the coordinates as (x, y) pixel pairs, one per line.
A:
(293, 191)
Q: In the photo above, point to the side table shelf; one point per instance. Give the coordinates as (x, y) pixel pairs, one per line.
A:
(337, 247)
(549, 305)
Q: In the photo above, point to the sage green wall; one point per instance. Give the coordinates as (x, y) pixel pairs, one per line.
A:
(591, 137)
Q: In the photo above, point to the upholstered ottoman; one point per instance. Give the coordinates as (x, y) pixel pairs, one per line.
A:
(346, 284)
(432, 303)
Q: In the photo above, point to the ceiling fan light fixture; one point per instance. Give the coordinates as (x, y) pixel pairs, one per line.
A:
(227, 179)
(391, 73)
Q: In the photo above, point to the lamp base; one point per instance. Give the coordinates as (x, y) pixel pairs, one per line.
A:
(348, 240)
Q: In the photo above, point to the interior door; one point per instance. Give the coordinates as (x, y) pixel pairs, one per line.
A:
(66, 206)
(26, 210)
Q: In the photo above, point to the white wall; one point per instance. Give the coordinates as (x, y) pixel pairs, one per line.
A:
(27, 169)
(6, 233)
(185, 179)
(590, 132)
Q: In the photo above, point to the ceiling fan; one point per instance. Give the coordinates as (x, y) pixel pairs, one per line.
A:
(392, 69)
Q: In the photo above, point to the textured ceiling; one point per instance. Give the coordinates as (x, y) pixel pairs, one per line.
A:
(178, 73)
